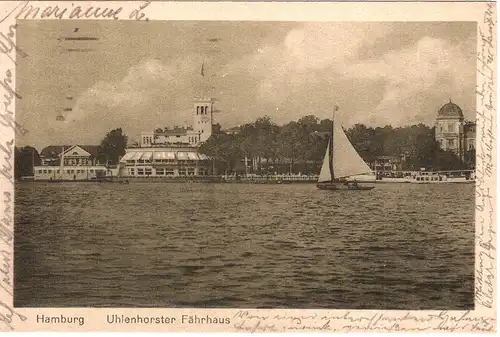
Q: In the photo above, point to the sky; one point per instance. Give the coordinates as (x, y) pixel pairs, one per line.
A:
(143, 75)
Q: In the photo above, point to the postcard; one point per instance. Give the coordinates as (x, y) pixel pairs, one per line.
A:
(248, 167)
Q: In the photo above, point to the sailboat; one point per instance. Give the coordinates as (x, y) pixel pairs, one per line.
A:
(343, 168)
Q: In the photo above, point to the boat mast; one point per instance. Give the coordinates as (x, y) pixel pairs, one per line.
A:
(330, 149)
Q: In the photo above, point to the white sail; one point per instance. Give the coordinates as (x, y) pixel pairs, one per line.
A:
(324, 174)
(346, 161)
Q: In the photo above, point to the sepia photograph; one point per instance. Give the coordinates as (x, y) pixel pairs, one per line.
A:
(245, 164)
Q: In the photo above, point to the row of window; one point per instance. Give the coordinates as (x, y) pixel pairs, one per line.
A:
(450, 143)
(45, 171)
(164, 171)
(202, 110)
(194, 139)
(162, 161)
(452, 127)
(448, 128)
(147, 140)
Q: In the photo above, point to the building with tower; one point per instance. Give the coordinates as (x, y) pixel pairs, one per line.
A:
(172, 151)
(452, 132)
(189, 135)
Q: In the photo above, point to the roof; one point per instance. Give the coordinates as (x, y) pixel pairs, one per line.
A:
(53, 151)
(174, 132)
(450, 111)
(158, 155)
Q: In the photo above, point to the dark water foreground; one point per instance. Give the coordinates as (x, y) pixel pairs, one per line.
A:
(399, 246)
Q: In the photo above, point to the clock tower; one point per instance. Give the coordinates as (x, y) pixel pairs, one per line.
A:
(202, 123)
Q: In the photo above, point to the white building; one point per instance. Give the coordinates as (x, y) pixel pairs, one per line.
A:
(172, 152)
(163, 162)
(193, 135)
(70, 163)
(452, 133)
(67, 173)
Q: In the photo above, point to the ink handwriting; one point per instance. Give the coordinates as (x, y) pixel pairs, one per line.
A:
(444, 321)
(7, 115)
(74, 11)
(7, 312)
(7, 44)
(485, 164)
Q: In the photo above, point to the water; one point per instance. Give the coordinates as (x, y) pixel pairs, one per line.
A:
(399, 246)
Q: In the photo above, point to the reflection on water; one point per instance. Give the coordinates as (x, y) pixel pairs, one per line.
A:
(399, 246)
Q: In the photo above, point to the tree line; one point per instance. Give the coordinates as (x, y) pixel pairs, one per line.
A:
(299, 146)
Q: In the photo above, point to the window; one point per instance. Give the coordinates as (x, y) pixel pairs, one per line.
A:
(148, 171)
(131, 171)
(451, 143)
(190, 171)
(160, 171)
(169, 172)
(140, 171)
(451, 127)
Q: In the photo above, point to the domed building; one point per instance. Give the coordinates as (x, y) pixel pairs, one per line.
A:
(452, 133)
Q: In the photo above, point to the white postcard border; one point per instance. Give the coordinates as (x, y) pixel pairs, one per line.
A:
(482, 319)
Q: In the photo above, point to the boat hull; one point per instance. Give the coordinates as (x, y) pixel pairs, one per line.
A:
(345, 187)
(426, 180)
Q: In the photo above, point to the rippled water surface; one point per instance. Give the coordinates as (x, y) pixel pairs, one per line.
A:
(399, 246)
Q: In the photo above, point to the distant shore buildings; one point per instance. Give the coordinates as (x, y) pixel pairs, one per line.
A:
(174, 151)
(452, 132)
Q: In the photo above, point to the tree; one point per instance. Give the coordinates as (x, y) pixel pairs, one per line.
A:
(447, 160)
(24, 160)
(363, 140)
(224, 150)
(470, 158)
(216, 129)
(292, 143)
(309, 122)
(113, 146)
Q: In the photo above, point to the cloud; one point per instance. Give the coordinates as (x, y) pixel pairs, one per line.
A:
(151, 94)
(305, 71)
(321, 62)
(430, 70)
